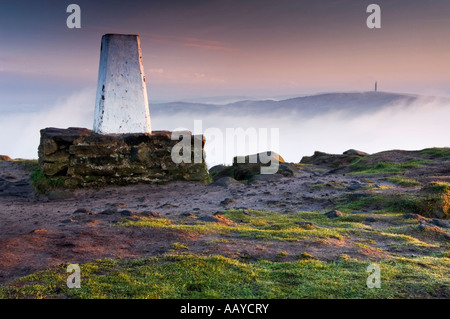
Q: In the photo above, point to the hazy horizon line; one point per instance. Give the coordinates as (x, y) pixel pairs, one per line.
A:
(281, 97)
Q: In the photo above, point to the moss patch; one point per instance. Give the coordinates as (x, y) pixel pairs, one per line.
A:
(43, 184)
(361, 166)
(261, 225)
(403, 181)
(436, 152)
(428, 202)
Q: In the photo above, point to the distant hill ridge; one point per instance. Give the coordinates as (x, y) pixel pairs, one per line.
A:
(355, 103)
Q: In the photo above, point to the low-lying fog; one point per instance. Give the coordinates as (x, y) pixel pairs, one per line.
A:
(408, 124)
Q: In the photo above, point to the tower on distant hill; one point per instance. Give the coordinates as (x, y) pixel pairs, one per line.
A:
(376, 86)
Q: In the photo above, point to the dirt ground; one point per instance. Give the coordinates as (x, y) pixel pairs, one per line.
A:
(38, 232)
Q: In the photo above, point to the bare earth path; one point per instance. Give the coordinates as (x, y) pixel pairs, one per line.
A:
(36, 233)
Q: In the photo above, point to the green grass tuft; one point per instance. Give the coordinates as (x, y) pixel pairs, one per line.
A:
(360, 166)
(30, 165)
(179, 246)
(192, 276)
(43, 184)
(260, 225)
(403, 181)
(437, 152)
(432, 201)
(438, 187)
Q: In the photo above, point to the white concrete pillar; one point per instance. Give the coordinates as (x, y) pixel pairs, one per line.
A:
(121, 104)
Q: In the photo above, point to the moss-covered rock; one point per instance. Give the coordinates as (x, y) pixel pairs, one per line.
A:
(432, 201)
(436, 200)
(333, 160)
(245, 167)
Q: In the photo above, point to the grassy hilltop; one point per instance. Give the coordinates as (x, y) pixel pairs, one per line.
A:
(309, 235)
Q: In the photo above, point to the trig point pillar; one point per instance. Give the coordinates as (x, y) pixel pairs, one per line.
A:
(121, 104)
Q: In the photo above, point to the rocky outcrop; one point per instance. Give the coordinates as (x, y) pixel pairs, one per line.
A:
(334, 214)
(5, 158)
(21, 188)
(263, 158)
(333, 160)
(355, 152)
(245, 167)
(85, 158)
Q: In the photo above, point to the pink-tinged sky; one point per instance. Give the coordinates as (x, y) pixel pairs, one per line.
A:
(253, 48)
(227, 49)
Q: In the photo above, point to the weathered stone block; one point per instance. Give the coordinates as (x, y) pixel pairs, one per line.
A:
(49, 146)
(96, 150)
(141, 154)
(52, 169)
(58, 157)
(85, 158)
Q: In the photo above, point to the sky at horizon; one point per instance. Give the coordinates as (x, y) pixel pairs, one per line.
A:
(213, 51)
(197, 49)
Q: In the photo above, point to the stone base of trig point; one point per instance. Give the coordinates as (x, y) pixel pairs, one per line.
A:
(84, 158)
